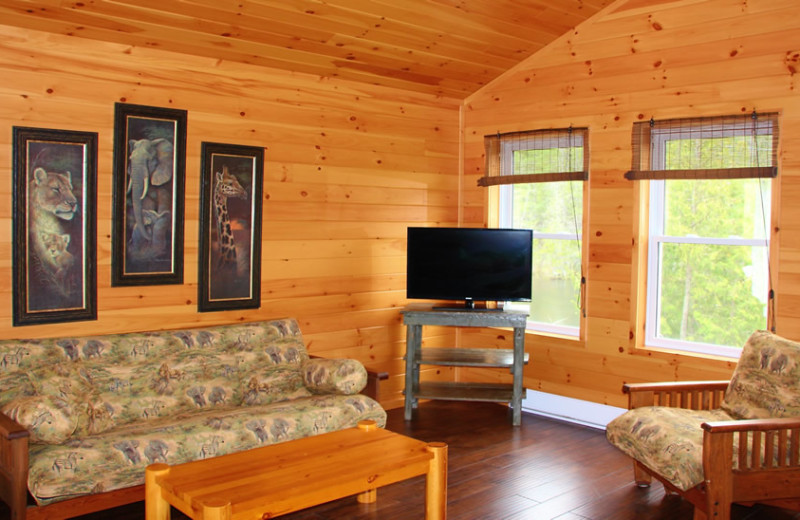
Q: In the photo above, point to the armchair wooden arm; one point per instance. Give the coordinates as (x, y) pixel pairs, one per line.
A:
(694, 395)
(765, 467)
(14, 466)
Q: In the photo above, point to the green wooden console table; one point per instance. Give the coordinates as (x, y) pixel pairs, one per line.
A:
(415, 316)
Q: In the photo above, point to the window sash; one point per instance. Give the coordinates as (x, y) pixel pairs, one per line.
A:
(502, 171)
(656, 153)
(506, 220)
(653, 337)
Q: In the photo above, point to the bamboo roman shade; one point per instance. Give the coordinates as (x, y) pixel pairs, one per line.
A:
(725, 147)
(549, 155)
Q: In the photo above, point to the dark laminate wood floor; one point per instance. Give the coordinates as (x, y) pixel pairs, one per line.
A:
(541, 470)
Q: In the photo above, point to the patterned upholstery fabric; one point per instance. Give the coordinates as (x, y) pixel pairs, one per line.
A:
(766, 382)
(669, 441)
(100, 409)
(340, 376)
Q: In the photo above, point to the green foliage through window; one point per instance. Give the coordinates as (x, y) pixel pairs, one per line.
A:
(554, 211)
(709, 244)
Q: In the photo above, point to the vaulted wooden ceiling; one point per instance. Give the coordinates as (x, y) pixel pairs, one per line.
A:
(445, 47)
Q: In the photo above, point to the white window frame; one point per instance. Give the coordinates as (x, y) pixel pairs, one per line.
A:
(506, 212)
(657, 238)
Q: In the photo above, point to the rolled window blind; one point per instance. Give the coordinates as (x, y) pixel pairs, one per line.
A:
(536, 156)
(725, 147)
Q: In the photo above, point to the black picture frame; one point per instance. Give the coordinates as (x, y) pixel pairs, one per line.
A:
(54, 226)
(148, 210)
(230, 281)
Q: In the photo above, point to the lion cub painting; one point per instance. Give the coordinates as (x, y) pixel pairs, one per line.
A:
(57, 255)
(52, 212)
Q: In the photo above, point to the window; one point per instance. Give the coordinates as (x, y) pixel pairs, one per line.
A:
(709, 226)
(542, 190)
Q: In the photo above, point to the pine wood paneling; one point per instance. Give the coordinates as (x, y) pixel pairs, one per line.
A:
(636, 60)
(349, 165)
(440, 47)
(347, 168)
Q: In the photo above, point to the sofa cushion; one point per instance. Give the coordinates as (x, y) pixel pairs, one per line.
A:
(334, 376)
(26, 354)
(119, 379)
(669, 441)
(766, 381)
(49, 419)
(117, 458)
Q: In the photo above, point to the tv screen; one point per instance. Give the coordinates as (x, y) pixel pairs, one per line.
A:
(470, 264)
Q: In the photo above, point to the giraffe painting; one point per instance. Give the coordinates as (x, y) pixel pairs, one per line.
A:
(230, 216)
(226, 186)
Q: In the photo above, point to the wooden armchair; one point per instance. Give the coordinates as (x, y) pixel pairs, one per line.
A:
(720, 442)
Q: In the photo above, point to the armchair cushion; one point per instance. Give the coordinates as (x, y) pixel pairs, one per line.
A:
(669, 441)
(766, 382)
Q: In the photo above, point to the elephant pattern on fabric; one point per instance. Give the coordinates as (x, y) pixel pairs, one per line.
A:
(149, 202)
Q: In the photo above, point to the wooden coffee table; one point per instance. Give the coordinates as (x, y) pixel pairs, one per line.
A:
(267, 482)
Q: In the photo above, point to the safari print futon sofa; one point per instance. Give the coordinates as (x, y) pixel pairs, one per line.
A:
(95, 411)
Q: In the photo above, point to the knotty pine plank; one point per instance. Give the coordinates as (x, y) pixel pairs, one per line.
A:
(295, 173)
(287, 288)
(68, 22)
(354, 24)
(328, 192)
(321, 230)
(319, 249)
(437, 19)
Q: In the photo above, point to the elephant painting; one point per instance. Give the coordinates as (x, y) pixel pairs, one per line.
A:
(149, 197)
(149, 174)
(151, 164)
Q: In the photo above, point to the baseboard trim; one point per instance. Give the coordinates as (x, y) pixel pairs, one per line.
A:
(571, 410)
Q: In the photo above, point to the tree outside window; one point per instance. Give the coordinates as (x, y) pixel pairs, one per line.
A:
(708, 274)
(554, 211)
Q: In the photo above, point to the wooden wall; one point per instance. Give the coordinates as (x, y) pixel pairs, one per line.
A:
(635, 60)
(347, 168)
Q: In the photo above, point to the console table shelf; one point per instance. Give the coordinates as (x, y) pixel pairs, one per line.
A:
(415, 316)
(491, 392)
(469, 357)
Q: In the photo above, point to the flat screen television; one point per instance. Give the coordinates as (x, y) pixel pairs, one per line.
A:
(469, 264)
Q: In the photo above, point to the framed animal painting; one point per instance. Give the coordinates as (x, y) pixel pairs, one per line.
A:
(55, 219)
(230, 227)
(149, 173)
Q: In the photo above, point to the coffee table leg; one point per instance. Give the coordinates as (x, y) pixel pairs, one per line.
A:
(371, 495)
(216, 509)
(367, 497)
(436, 483)
(155, 507)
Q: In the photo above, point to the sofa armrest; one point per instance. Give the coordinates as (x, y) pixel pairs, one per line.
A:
(694, 395)
(374, 378)
(11, 429)
(14, 466)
